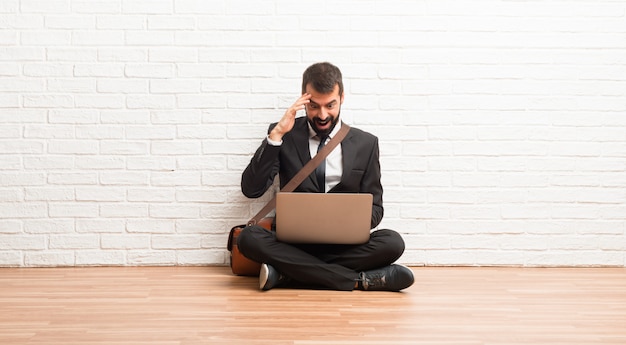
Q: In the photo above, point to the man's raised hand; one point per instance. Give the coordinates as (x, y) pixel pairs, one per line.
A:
(288, 120)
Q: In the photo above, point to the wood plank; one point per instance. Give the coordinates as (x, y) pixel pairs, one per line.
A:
(208, 305)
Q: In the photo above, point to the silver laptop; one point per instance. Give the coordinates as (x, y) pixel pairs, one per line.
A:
(331, 218)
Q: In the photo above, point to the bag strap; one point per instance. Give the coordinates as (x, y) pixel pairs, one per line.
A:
(306, 170)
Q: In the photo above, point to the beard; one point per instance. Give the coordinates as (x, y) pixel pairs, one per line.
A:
(316, 122)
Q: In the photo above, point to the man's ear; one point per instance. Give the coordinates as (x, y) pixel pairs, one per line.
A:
(341, 99)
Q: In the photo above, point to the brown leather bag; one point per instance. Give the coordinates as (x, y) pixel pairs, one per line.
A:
(241, 265)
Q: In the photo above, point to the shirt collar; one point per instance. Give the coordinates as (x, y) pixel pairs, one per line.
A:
(312, 133)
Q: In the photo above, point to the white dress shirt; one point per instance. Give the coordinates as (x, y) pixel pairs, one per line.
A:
(334, 163)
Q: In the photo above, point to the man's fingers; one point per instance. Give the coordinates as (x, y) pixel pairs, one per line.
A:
(300, 104)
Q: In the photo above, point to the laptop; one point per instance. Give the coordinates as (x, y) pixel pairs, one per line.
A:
(324, 218)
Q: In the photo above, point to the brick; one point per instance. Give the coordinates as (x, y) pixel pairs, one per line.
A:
(153, 226)
(175, 86)
(148, 6)
(11, 259)
(11, 195)
(49, 259)
(121, 210)
(74, 210)
(176, 178)
(22, 242)
(48, 101)
(201, 195)
(49, 226)
(99, 70)
(41, 6)
(72, 147)
(100, 194)
(72, 116)
(100, 225)
(200, 257)
(150, 102)
(100, 257)
(99, 162)
(151, 163)
(15, 84)
(151, 194)
(67, 178)
(10, 227)
(202, 226)
(69, 22)
(9, 179)
(46, 38)
(21, 147)
(77, 86)
(123, 147)
(175, 242)
(149, 38)
(199, 7)
(178, 117)
(117, 22)
(99, 101)
(152, 70)
(48, 194)
(171, 22)
(173, 55)
(125, 179)
(15, 53)
(125, 242)
(82, 241)
(137, 116)
(99, 132)
(98, 38)
(123, 54)
(176, 148)
(152, 258)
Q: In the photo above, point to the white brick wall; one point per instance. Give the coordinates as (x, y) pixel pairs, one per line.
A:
(125, 124)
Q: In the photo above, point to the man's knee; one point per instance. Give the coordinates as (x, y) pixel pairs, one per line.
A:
(248, 239)
(392, 243)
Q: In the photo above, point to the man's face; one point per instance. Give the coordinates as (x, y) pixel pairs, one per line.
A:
(323, 110)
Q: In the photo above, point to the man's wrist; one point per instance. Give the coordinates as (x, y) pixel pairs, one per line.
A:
(275, 136)
(274, 142)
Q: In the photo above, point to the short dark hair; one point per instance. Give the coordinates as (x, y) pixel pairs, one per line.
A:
(323, 76)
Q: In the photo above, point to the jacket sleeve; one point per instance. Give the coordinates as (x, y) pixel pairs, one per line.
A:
(259, 175)
(371, 184)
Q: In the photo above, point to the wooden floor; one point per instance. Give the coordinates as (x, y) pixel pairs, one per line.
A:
(208, 305)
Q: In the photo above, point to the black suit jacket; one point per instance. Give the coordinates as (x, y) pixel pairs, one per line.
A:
(361, 166)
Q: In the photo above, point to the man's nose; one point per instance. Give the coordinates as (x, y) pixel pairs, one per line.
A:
(323, 114)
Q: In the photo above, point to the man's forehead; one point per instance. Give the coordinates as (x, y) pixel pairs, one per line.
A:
(321, 98)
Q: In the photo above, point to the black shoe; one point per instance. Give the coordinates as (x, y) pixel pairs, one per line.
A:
(391, 278)
(270, 278)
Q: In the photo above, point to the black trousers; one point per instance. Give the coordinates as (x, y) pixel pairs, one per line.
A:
(325, 265)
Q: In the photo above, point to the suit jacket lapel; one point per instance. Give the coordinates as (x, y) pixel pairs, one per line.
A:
(301, 140)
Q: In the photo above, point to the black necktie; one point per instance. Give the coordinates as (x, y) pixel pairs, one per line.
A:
(320, 171)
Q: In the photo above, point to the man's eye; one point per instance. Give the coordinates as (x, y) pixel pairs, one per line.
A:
(313, 106)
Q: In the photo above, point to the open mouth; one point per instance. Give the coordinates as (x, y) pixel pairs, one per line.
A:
(323, 124)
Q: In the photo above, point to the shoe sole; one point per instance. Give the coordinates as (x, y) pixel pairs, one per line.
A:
(263, 275)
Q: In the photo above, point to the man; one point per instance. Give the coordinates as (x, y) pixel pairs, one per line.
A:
(352, 167)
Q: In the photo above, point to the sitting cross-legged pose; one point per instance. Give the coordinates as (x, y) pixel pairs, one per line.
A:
(352, 167)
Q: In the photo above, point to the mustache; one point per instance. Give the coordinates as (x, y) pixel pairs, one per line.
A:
(322, 122)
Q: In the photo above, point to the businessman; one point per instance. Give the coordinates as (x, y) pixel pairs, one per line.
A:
(352, 167)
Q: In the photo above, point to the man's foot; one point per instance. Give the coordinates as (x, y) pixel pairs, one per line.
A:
(391, 278)
(270, 278)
